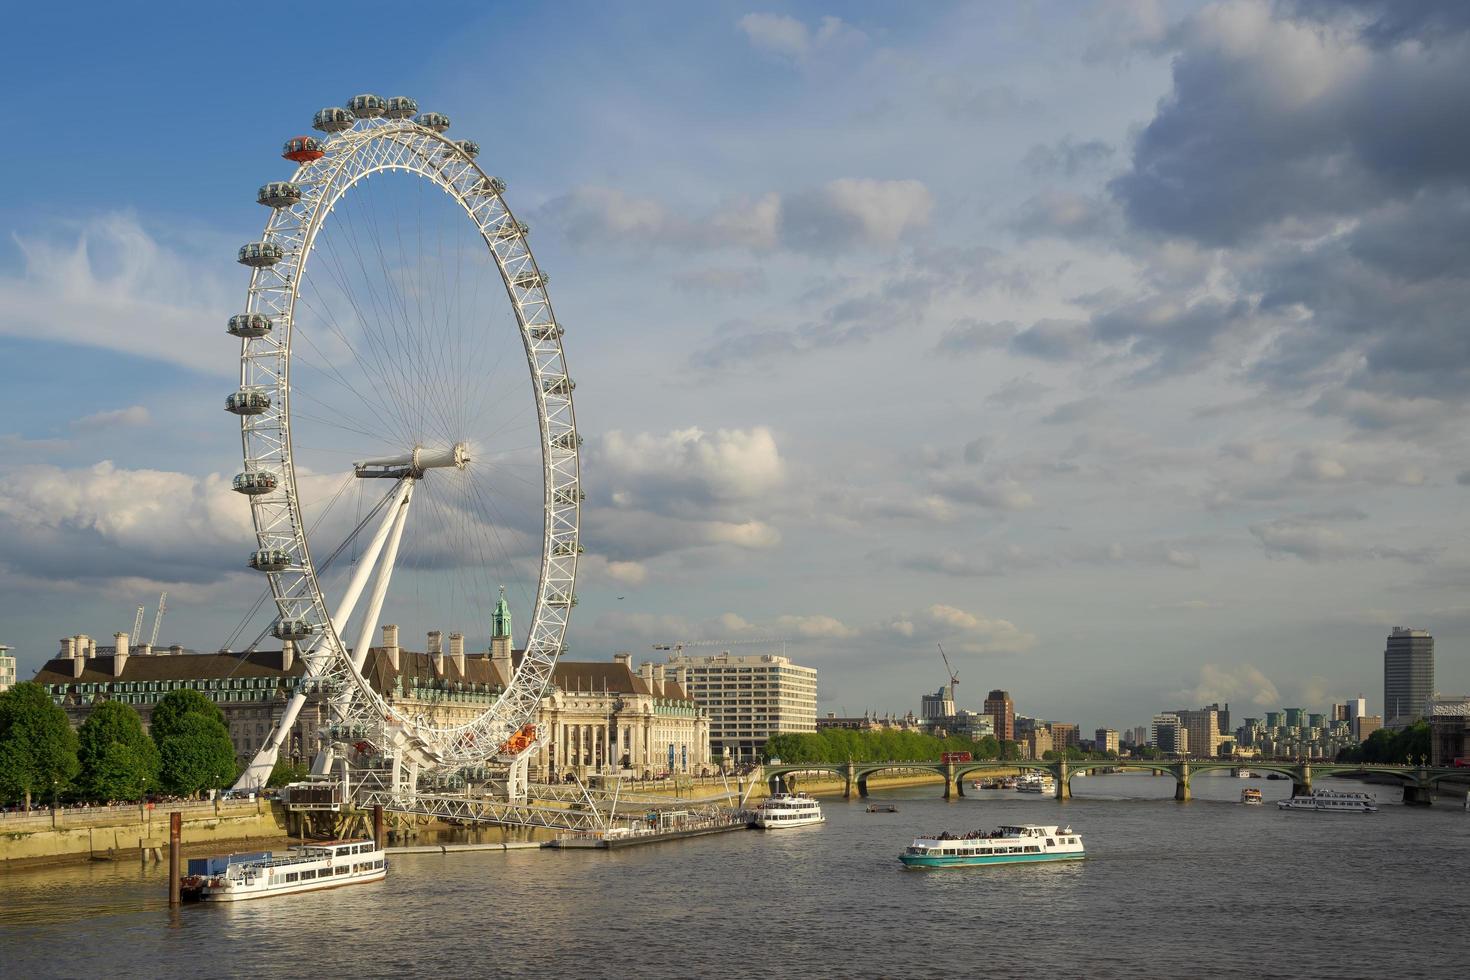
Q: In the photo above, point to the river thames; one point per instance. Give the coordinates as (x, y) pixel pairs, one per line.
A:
(1208, 888)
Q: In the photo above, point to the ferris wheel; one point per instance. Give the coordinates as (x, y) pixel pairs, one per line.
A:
(388, 432)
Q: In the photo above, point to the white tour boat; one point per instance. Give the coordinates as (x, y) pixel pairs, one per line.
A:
(788, 810)
(303, 868)
(1036, 782)
(1251, 796)
(1008, 844)
(1331, 801)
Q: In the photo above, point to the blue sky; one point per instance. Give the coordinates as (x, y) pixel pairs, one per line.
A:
(1115, 346)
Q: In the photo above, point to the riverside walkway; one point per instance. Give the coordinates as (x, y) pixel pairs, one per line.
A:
(1419, 782)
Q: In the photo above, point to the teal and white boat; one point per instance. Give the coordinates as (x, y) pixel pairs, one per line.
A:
(1004, 845)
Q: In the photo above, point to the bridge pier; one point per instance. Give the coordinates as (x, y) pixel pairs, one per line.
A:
(776, 784)
(1181, 784)
(862, 786)
(949, 780)
(1417, 794)
(1064, 781)
(1301, 781)
(848, 782)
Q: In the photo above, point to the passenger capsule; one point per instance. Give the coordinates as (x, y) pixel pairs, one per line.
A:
(259, 255)
(567, 440)
(436, 121)
(366, 106)
(303, 149)
(278, 194)
(531, 280)
(253, 483)
(249, 325)
(558, 386)
(469, 148)
(247, 401)
(560, 598)
(564, 549)
(292, 629)
(333, 119)
(270, 560)
(492, 185)
(401, 107)
(567, 495)
(507, 230)
(544, 331)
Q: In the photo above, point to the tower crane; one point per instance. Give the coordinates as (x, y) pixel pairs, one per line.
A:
(137, 632)
(954, 678)
(158, 617)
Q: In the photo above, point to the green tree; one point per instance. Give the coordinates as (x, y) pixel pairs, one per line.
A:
(197, 755)
(118, 759)
(171, 710)
(38, 749)
(284, 771)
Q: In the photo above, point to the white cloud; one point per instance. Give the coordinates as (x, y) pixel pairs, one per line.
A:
(1219, 684)
(134, 415)
(791, 39)
(117, 287)
(660, 471)
(814, 627)
(961, 631)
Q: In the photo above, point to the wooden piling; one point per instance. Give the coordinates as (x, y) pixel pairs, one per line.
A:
(175, 842)
(380, 837)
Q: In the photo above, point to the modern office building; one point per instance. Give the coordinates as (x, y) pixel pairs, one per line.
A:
(1449, 731)
(1365, 725)
(938, 705)
(1065, 735)
(7, 668)
(1408, 675)
(1105, 740)
(749, 698)
(1204, 730)
(1168, 734)
(1002, 712)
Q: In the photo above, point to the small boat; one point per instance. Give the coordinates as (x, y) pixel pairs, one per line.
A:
(1330, 801)
(1277, 775)
(1036, 782)
(882, 808)
(303, 868)
(1009, 844)
(1251, 796)
(788, 810)
(1242, 774)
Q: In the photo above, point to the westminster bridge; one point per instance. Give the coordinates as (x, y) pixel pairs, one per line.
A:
(1418, 781)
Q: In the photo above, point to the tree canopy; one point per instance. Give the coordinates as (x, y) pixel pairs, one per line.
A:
(171, 709)
(38, 749)
(197, 755)
(1406, 745)
(118, 759)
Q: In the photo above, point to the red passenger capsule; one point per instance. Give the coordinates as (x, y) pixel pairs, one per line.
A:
(303, 149)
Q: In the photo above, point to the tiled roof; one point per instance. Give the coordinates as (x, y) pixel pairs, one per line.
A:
(198, 666)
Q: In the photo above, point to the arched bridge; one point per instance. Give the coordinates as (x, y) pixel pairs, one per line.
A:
(1418, 781)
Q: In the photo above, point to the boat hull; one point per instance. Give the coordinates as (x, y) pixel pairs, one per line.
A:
(246, 894)
(788, 824)
(944, 861)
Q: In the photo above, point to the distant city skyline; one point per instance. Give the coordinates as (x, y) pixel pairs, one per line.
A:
(1125, 360)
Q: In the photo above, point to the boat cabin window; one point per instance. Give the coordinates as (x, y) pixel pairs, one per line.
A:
(292, 876)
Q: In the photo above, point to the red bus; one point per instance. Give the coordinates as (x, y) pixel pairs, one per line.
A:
(1462, 763)
(954, 757)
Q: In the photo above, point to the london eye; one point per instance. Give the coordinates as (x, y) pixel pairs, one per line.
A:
(397, 462)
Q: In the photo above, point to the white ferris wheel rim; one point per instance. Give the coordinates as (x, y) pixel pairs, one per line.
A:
(375, 145)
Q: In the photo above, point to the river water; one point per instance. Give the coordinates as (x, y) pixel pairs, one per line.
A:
(1204, 889)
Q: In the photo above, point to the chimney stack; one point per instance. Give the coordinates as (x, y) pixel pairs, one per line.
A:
(436, 651)
(78, 664)
(390, 644)
(288, 654)
(177, 650)
(85, 646)
(626, 659)
(658, 679)
(68, 647)
(119, 653)
(456, 652)
(145, 649)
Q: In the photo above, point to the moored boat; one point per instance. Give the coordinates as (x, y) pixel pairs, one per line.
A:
(786, 810)
(1008, 844)
(303, 868)
(882, 808)
(1251, 796)
(1036, 782)
(1331, 801)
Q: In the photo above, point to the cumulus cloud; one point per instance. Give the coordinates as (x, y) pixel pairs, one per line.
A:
(1321, 538)
(1220, 684)
(814, 627)
(961, 631)
(693, 466)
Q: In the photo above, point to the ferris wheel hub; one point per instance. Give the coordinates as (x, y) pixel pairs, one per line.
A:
(414, 463)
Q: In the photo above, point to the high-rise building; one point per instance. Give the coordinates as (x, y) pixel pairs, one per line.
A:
(1204, 730)
(749, 699)
(1365, 725)
(1002, 712)
(1105, 740)
(1065, 735)
(7, 668)
(1140, 735)
(1222, 716)
(1408, 675)
(1167, 734)
(1357, 707)
(934, 708)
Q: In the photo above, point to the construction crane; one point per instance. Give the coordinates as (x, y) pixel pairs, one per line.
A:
(158, 617)
(678, 648)
(954, 678)
(137, 627)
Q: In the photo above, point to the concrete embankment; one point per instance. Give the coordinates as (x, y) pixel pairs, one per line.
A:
(132, 833)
